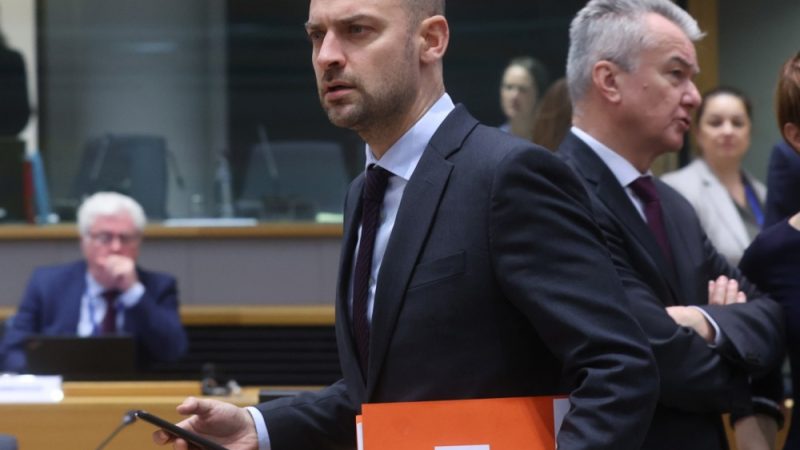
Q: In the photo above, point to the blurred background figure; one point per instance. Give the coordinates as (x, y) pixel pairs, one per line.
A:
(524, 79)
(773, 259)
(105, 293)
(783, 183)
(728, 200)
(14, 106)
(553, 116)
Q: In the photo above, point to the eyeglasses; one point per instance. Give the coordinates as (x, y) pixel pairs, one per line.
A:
(106, 239)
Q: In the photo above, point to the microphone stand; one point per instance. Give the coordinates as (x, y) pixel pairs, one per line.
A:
(127, 419)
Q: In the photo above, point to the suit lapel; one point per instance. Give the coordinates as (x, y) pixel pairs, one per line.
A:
(677, 232)
(69, 301)
(616, 200)
(415, 216)
(344, 335)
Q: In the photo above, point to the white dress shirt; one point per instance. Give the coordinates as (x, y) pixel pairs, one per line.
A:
(93, 306)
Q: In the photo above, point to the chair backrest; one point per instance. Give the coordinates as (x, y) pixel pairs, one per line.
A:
(296, 178)
(134, 165)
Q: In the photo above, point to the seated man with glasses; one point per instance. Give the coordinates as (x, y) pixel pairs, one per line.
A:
(106, 293)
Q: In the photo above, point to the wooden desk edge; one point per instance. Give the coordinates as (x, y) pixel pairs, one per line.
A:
(311, 315)
(158, 231)
(244, 315)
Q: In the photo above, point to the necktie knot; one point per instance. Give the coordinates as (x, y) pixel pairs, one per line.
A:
(645, 189)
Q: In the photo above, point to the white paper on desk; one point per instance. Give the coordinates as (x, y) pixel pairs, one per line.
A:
(30, 389)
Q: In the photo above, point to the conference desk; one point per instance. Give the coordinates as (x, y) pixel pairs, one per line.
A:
(90, 412)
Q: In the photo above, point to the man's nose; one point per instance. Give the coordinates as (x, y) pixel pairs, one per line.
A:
(330, 51)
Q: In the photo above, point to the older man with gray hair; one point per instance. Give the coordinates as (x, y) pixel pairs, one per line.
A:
(105, 293)
(630, 72)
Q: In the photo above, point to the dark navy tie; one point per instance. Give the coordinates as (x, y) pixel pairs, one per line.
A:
(374, 187)
(645, 189)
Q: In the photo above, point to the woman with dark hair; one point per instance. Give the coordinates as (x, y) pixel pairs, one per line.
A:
(524, 80)
(772, 262)
(729, 202)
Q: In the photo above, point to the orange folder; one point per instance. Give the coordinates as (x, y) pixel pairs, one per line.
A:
(482, 424)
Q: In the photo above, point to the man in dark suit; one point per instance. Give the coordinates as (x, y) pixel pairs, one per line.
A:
(106, 293)
(630, 69)
(487, 276)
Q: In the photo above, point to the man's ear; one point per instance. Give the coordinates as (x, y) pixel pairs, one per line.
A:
(435, 35)
(606, 79)
(791, 132)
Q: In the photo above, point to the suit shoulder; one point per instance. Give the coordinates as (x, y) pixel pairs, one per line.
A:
(59, 270)
(154, 278)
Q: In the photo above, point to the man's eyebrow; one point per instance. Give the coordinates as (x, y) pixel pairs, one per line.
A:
(343, 21)
(684, 62)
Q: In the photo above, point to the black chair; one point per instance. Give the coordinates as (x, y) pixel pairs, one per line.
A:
(131, 164)
(294, 180)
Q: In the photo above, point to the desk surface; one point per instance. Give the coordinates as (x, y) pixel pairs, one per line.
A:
(243, 315)
(91, 411)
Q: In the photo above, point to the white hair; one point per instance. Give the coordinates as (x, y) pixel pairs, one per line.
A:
(108, 204)
(614, 30)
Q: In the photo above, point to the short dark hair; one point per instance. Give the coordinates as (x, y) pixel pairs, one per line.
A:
(421, 9)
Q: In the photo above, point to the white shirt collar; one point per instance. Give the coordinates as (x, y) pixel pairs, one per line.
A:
(622, 169)
(402, 157)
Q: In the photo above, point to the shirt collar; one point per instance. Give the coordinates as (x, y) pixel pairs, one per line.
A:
(93, 288)
(402, 157)
(623, 170)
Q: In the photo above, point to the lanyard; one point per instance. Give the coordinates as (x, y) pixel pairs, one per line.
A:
(752, 201)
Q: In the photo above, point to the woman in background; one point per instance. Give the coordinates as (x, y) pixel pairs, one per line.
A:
(553, 117)
(772, 262)
(524, 79)
(728, 201)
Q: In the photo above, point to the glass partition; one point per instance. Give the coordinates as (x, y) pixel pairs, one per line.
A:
(207, 109)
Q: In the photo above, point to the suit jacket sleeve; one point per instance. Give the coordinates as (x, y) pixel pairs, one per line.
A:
(327, 419)
(551, 263)
(155, 321)
(753, 331)
(694, 376)
(25, 323)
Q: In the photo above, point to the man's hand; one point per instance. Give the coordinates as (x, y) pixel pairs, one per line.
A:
(725, 291)
(757, 432)
(118, 272)
(224, 423)
(687, 316)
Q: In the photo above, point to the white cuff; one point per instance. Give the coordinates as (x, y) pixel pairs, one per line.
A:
(261, 428)
(717, 332)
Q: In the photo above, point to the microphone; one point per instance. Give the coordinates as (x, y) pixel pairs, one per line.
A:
(173, 163)
(127, 419)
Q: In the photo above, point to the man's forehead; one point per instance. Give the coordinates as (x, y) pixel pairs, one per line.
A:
(337, 10)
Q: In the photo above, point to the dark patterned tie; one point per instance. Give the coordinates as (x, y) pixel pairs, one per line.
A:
(374, 187)
(109, 323)
(645, 189)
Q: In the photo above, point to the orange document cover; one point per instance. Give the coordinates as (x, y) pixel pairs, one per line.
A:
(482, 424)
